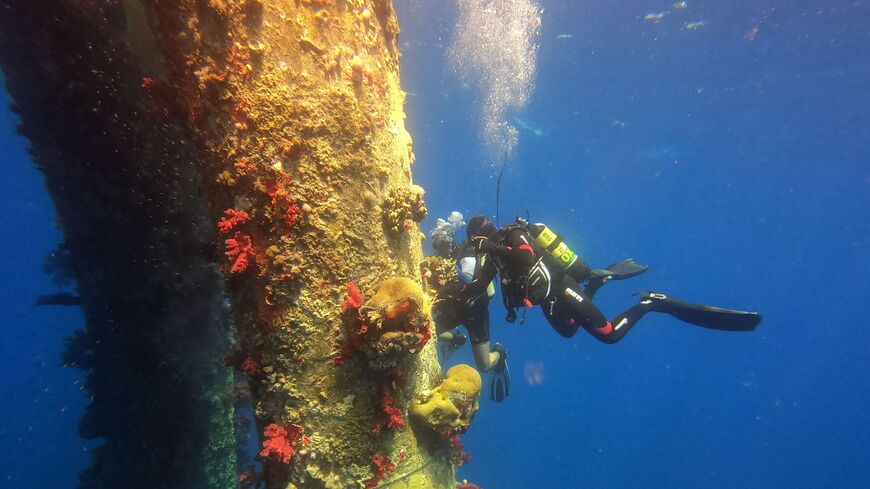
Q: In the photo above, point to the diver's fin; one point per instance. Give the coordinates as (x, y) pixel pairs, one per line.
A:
(618, 271)
(500, 381)
(702, 315)
(626, 269)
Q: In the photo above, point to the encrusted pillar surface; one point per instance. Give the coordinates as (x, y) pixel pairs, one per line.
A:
(266, 139)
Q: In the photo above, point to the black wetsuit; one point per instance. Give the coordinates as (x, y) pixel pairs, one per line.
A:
(530, 277)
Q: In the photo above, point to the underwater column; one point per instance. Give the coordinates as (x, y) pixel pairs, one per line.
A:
(264, 140)
(297, 110)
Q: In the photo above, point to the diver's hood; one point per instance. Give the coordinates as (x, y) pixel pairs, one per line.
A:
(480, 225)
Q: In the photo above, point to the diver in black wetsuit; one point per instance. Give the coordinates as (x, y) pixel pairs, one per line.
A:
(537, 268)
(455, 304)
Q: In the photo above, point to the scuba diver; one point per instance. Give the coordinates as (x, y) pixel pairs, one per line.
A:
(538, 268)
(453, 306)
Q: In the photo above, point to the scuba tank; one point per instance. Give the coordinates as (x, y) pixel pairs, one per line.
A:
(558, 250)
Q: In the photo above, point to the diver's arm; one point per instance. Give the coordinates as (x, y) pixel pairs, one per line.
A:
(516, 247)
(485, 245)
(478, 284)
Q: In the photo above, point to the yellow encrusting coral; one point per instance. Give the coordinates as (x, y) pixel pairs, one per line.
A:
(403, 207)
(449, 407)
(437, 272)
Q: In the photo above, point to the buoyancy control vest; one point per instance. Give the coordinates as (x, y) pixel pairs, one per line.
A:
(523, 285)
(469, 267)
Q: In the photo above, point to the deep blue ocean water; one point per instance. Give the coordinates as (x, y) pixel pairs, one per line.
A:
(734, 159)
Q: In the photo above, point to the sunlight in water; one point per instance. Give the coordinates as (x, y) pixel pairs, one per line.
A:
(495, 49)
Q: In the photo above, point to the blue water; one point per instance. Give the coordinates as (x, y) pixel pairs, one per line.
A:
(734, 164)
(738, 170)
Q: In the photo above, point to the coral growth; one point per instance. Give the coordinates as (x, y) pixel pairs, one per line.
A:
(392, 323)
(240, 251)
(389, 416)
(354, 298)
(402, 208)
(466, 485)
(381, 465)
(449, 408)
(231, 219)
(460, 456)
(438, 272)
(250, 366)
(278, 442)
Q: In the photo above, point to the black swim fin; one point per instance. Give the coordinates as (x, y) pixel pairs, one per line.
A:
(500, 381)
(626, 269)
(618, 271)
(702, 315)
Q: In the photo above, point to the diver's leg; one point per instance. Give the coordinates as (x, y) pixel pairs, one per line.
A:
(578, 306)
(477, 324)
(483, 357)
(563, 323)
(449, 342)
(446, 336)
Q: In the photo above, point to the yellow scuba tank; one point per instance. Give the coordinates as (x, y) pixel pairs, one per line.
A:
(553, 243)
(555, 246)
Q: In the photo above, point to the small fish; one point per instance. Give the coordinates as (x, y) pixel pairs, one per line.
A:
(695, 25)
(681, 5)
(654, 17)
(565, 37)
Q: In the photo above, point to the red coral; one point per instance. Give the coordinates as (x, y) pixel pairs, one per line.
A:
(354, 298)
(278, 445)
(293, 212)
(250, 366)
(239, 250)
(231, 219)
(466, 485)
(391, 416)
(398, 379)
(381, 466)
(347, 350)
(460, 456)
(425, 334)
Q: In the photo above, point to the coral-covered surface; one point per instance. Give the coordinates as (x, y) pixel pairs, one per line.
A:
(264, 140)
